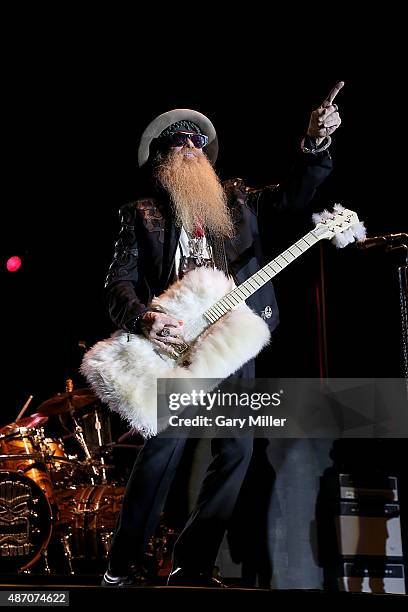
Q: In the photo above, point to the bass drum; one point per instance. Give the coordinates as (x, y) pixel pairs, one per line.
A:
(87, 519)
(25, 522)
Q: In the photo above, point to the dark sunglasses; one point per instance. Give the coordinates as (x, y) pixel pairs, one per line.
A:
(179, 139)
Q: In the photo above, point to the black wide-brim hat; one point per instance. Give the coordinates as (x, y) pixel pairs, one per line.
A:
(156, 127)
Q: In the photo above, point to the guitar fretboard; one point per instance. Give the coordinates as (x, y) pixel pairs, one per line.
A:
(241, 293)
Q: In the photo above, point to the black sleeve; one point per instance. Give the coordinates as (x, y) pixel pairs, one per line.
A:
(125, 308)
(297, 190)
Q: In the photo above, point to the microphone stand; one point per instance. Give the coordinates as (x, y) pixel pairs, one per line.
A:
(403, 286)
(397, 242)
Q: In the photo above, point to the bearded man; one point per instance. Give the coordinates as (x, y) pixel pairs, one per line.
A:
(188, 218)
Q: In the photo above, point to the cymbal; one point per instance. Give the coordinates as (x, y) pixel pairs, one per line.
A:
(31, 422)
(67, 402)
(35, 420)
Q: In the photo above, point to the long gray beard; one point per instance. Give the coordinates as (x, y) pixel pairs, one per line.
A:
(196, 192)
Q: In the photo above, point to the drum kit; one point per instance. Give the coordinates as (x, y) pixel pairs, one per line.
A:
(58, 499)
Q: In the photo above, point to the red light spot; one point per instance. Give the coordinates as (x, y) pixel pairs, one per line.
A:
(13, 263)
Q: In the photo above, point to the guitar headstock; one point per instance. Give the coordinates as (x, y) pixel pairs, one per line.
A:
(341, 226)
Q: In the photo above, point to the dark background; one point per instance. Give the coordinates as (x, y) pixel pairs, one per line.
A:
(77, 92)
(72, 123)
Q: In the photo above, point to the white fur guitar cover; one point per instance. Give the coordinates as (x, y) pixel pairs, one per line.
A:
(222, 332)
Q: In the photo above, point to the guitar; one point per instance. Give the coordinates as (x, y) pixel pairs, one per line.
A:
(221, 333)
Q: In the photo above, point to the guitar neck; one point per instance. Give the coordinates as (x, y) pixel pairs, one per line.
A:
(241, 293)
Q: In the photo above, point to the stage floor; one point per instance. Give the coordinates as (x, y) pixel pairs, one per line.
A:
(87, 590)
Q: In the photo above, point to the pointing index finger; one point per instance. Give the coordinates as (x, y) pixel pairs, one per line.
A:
(333, 93)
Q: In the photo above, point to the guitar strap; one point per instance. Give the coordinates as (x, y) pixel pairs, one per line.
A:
(218, 252)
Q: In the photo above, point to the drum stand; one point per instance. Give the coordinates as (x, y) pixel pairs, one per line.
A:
(106, 539)
(67, 551)
(98, 427)
(47, 569)
(79, 435)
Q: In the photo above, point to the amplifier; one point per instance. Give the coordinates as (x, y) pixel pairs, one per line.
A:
(367, 578)
(368, 529)
(378, 486)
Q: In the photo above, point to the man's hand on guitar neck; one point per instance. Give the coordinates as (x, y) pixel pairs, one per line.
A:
(152, 325)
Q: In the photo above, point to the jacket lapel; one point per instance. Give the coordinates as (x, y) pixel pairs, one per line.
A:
(171, 240)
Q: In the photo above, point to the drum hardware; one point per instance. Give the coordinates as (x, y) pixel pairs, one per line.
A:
(94, 424)
(79, 435)
(98, 427)
(89, 462)
(67, 403)
(21, 452)
(106, 539)
(91, 426)
(69, 506)
(47, 568)
(67, 550)
(35, 421)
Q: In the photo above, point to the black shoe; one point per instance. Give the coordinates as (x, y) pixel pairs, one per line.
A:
(180, 577)
(133, 578)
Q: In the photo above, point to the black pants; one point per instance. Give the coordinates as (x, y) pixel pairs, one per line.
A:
(149, 483)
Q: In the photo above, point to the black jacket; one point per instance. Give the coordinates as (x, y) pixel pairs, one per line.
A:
(143, 263)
